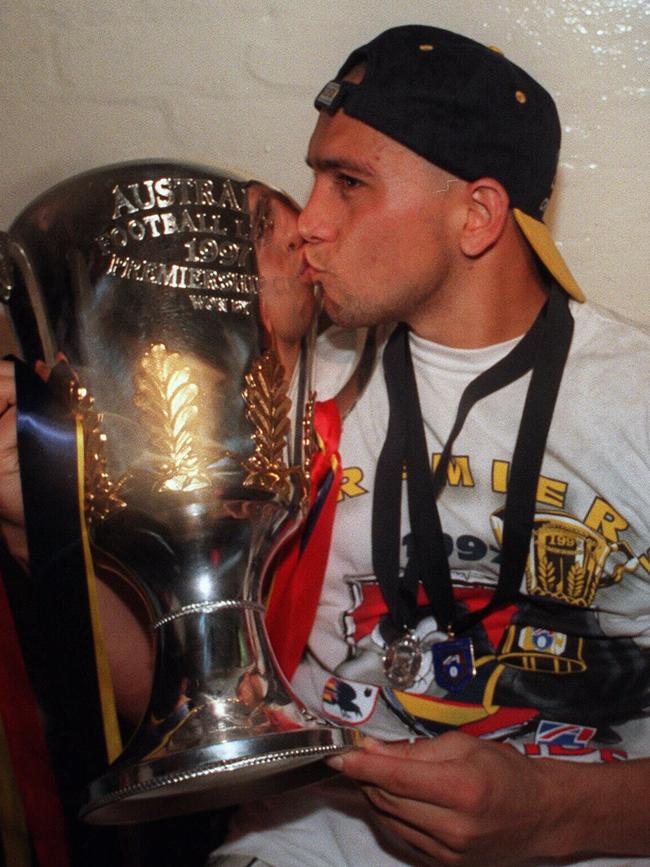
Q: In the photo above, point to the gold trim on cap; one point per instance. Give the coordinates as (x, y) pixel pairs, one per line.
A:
(539, 238)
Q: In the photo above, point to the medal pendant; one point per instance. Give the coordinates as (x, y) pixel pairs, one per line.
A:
(453, 663)
(402, 661)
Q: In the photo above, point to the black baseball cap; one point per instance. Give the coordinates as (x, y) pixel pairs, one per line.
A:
(469, 110)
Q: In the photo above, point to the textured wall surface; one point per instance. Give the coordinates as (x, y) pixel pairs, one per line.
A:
(230, 83)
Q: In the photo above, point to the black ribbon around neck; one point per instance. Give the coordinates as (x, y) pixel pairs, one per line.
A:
(544, 350)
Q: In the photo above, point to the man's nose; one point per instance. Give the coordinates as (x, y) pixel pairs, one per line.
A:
(314, 222)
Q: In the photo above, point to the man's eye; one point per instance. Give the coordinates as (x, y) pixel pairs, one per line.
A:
(347, 181)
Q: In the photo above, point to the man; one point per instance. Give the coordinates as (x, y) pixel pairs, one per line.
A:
(504, 595)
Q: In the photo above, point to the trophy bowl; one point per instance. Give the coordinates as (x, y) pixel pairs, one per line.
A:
(164, 290)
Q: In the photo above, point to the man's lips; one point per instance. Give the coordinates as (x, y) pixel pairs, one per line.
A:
(310, 271)
(311, 275)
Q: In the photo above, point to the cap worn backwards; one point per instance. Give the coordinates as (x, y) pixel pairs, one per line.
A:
(466, 108)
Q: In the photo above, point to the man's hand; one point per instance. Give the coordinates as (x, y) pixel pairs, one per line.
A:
(12, 519)
(469, 802)
(460, 800)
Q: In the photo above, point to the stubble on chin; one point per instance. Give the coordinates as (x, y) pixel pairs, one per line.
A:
(360, 312)
(349, 315)
(349, 309)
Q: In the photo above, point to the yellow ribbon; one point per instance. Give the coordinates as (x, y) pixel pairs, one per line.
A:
(112, 734)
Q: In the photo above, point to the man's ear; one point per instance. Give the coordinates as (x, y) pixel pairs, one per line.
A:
(488, 207)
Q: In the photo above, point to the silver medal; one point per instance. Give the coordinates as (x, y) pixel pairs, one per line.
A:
(402, 661)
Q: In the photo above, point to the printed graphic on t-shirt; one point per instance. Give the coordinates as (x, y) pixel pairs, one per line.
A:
(553, 630)
(347, 702)
(569, 560)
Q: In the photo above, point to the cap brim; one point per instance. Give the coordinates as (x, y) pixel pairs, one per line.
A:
(539, 238)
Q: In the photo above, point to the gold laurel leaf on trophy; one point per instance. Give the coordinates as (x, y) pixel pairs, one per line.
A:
(309, 442)
(267, 409)
(101, 495)
(166, 396)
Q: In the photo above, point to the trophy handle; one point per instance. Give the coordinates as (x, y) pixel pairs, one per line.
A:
(13, 254)
(298, 453)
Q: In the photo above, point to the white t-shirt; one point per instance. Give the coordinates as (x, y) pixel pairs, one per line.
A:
(564, 671)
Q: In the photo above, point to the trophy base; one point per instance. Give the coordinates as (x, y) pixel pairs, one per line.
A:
(215, 776)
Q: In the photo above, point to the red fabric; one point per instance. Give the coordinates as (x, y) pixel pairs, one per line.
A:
(500, 719)
(298, 579)
(29, 754)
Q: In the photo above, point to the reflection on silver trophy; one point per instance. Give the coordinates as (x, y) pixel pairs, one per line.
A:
(153, 280)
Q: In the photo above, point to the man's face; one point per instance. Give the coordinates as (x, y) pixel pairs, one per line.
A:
(378, 225)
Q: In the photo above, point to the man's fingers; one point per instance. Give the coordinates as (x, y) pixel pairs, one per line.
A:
(452, 745)
(394, 769)
(415, 823)
(414, 813)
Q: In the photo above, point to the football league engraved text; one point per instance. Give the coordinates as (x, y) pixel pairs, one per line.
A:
(164, 192)
(207, 210)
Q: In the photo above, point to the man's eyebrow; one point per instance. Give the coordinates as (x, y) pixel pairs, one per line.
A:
(339, 163)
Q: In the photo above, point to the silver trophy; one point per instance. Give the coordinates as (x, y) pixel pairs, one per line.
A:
(166, 289)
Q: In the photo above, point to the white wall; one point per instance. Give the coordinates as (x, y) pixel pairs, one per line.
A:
(230, 83)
